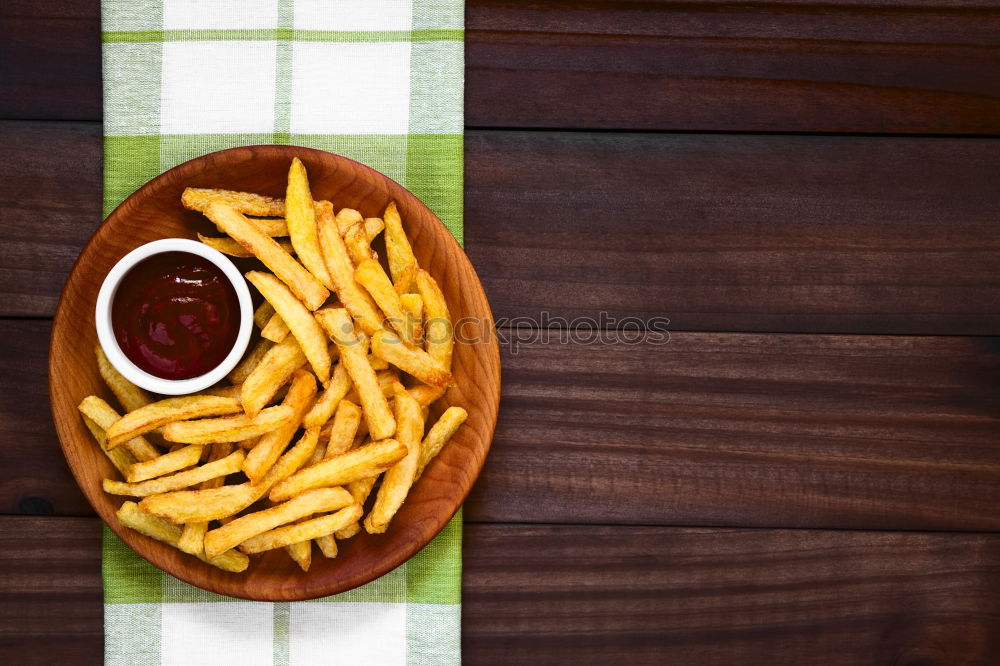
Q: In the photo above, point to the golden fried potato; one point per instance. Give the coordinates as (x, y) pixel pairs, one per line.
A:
(197, 198)
(239, 374)
(438, 333)
(304, 531)
(425, 394)
(120, 457)
(192, 539)
(345, 427)
(299, 319)
(194, 506)
(129, 395)
(276, 329)
(301, 282)
(369, 274)
(439, 434)
(327, 545)
(346, 218)
(239, 530)
(274, 369)
(230, 247)
(373, 227)
(369, 460)
(398, 479)
(233, 428)
(154, 415)
(228, 465)
(397, 245)
(263, 314)
(410, 359)
(338, 262)
(272, 444)
(130, 516)
(358, 245)
(354, 357)
(104, 416)
(188, 456)
(300, 216)
(301, 554)
(320, 413)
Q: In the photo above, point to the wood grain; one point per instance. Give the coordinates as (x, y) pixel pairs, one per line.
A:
(726, 233)
(154, 212)
(710, 429)
(779, 65)
(587, 595)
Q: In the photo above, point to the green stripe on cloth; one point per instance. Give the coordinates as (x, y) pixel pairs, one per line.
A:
(183, 78)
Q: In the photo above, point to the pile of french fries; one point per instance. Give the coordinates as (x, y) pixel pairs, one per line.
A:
(333, 399)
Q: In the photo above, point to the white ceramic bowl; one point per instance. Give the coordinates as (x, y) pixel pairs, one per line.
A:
(138, 376)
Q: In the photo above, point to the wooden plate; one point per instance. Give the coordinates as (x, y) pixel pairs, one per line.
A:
(154, 212)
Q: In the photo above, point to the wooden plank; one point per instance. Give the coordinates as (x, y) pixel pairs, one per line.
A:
(731, 233)
(708, 429)
(738, 233)
(50, 204)
(645, 595)
(780, 65)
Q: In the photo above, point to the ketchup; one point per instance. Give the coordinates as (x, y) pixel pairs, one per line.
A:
(175, 315)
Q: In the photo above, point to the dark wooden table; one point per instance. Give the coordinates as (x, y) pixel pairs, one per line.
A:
(808, 473)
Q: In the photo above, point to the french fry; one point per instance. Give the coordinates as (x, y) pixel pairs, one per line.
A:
(373, 226)
(310, 291)
(362, 488)
(354, 357)
(104, 416)
(346, 218)
(438, 334)
(385, 379)
(410, 359)
(274, 369)
(304, 531)
(358, 245)
(347, 532)
(369, 274)
(300, 321)
(230, 247)
(272, 226)
(263, 314)
(439, 434)
(130, 516)
(271, 444)
(378, 364)
(156, 414)
(228, 465)
(301, 554)
(327, 545)
(397, 246)
(414, 306)
(239, 374)
(120, 457)
(276, 329)
(300, 217)
(195, 506)
(341, 269)
(197, 198)
(398, 479)
(320, 413)
(292, 460)
(192, 539)
(369, 460)
(128, 394)
(345, 427)
(425, 394)
(405, 284)
(239, 530)
(233, 428)
(225, 391)
(175, 461)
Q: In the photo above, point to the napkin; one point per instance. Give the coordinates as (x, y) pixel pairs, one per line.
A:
(379, 81)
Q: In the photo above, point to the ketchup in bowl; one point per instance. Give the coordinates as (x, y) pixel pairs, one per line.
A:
(175, 315)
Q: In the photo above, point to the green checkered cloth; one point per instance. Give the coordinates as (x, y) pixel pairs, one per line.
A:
(379, 81)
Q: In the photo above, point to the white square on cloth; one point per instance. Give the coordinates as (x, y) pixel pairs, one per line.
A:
(220, 14)
(217, 87)
(350, 88)
(219, 632)
(347, 633)
(362, 15)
